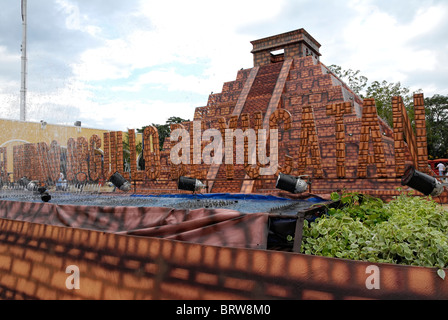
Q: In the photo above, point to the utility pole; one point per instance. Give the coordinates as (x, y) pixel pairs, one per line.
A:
(24, 63)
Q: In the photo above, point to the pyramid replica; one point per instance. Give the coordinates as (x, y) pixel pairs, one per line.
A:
(325, 131)
(320, 127)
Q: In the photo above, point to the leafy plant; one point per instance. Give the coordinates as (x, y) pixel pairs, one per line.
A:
(165, 129)
(368, 209)
(408, 230)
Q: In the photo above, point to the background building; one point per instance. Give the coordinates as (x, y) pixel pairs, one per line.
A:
(15, 132)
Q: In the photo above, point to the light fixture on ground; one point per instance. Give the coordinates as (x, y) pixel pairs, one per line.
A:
(422, 182)
(292, 184)
(33, 186)
(44, 195)
(190, 184)
(120, 182)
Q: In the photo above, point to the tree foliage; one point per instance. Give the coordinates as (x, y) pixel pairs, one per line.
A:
(383, 92)
(165, 129)
(437, 126)
(354, 80)
(127, 151)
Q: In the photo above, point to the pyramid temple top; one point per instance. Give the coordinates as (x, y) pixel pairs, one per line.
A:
(283, 46)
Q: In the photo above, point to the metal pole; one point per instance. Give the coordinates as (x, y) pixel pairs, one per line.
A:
(24, 63)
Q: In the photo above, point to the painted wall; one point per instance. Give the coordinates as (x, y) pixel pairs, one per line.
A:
(40, 261)
(15, 132)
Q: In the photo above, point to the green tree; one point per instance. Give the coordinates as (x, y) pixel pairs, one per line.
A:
(436, 109)
(354, 79)
(382, 92)
(127, 152)
(165, 129)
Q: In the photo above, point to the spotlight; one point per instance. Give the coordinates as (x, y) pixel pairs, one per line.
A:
(189, 184)
(32, 186)
(291, 184)
(120, 182)
(422, 182)
(44, 195)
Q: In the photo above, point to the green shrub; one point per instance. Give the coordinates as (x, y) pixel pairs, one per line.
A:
(408, 230)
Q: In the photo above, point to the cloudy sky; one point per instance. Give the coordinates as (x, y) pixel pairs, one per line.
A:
(115, 64)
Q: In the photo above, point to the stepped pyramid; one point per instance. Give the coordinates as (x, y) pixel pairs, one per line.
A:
(326, 131)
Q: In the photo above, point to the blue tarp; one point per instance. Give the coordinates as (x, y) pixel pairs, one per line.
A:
(229, 196)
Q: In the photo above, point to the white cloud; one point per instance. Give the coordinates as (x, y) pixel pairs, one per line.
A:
(196, 31)
(8, 57)
(74, 20)
(380, 46)
(201, 34)
(129, 58)
(104, 63)
(136, 114)
(167, 79)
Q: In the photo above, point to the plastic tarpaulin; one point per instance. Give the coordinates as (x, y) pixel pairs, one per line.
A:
(235, 196)
(220, 227)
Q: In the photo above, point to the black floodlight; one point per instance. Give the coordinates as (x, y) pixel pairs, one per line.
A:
(291, 184)
(189, 184)
(44, 195)
(422, 182)
(120, 182)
